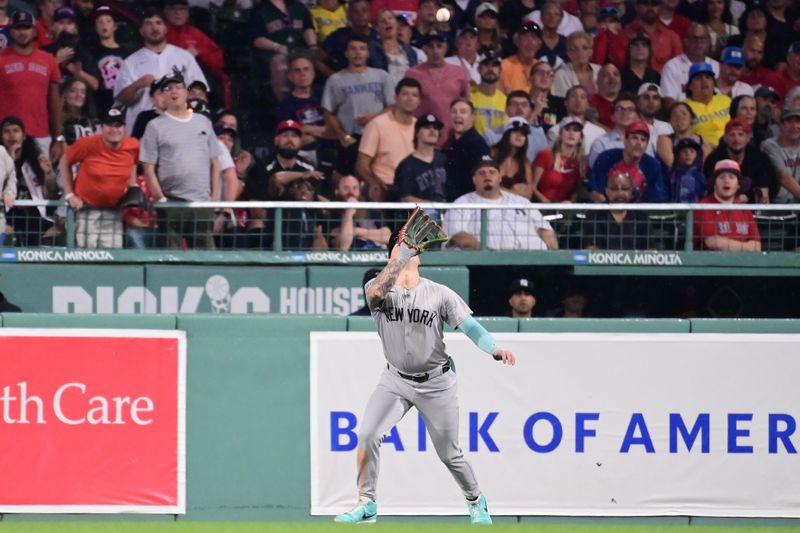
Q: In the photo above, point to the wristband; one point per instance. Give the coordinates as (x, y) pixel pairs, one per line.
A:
(69, 195)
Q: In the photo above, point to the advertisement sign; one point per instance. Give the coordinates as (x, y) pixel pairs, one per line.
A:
(92, 421)
(586, 424)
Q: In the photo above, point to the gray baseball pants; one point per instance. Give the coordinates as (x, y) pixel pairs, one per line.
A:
(437, 402)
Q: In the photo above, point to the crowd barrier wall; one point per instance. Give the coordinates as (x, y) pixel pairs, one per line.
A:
(248, 397)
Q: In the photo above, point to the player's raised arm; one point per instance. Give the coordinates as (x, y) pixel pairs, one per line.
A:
(485, 341)
(385, 280)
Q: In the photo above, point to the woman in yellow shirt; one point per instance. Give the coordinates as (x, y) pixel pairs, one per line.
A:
(712, 111)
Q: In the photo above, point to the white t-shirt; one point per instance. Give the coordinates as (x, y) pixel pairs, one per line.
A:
(569, 23)
(675, 76)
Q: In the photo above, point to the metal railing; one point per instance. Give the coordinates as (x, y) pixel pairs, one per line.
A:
(299, 226)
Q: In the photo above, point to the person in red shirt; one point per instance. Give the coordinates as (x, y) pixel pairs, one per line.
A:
(610, 43)
(609, 85)
(559, 171)
(726, 230)
(29, 80)
(107, 168)
(666, 43)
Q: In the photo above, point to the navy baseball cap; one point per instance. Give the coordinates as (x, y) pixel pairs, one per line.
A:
(486, 161)
(733, 55)
(608, 11)
(521, 284)
(701, 68)
(22, 19)
(115, 115)
(433, 36)
(490, 57)
(63, 13)
(428, 120)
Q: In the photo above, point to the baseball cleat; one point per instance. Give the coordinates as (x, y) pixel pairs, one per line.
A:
(479, 512)
(366, 512)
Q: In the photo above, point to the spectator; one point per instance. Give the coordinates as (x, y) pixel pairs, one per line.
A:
(649, 104)
(609, 84)
(547, 109)
(516, 69)
(781, 31)
(301, 226)
(177, 167)
(389, 53)
(577, 104)
(84, 18)
(758, 179)
(573, 304)
(466, 150)
(717, 17)
(77, 112)
(328, 16)
(559, 171)
(510, 154)
(107, 168)
(140, 221)
(788, 78)
(625, 114)
(427, 23)
(726, 231)
(466, 55)
(281, 26)
(643, 169)
(666, 44)
(637, 70)
(554, 45)
(421, 177)
(207, 53)
(44, 23)
(357, 229)
(387, 140)
(568, 25)
(671, 19)
(754, 72)
(5, 25)
(155, 59)
(489, 101)
(784, 153)
(303, 104)
(73, 58)
(616, 229)
(8, 190)
(610, 43)
(521, 299)
(518, 105)
(488, 30)
(712, 111)
(681, 118)
(686, 182)
(331, 57)
(508, 229)
(730, 71)
(744, 108)
(767, 113)
(512, 14)
(676, 70)
(159, 102)
(29, 80)
(36, 180)
(579, 70)
(402, 8)
(108, 54)
(441, 82)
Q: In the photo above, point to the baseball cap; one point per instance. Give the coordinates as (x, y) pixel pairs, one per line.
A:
(289, 125)
(727, 165)
(63, 13)
(428, 120)
(22, 19)
(173, 77)
(103, 10)
(433, 36)
(570, 120)
(608, 11)
(517, 123)
(794, 48)
(765, 91)
(640, 37)
(198, 84)
(490, 57)
(687, 142)
(486, 161)
(402, 19)
(737, 123)
(701, 68)
(521, 284)
(790, 113)
(219, 129)
(467, 29)
(638, 126)
(530, 26)
(645, 87)
(114, 115)
(484, 7)
(733, 55)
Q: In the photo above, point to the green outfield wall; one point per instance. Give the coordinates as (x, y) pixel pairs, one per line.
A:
(248, 397)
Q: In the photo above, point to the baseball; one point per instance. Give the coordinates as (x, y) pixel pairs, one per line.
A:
(443, 14)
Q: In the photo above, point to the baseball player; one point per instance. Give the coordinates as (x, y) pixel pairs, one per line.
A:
(410, 312)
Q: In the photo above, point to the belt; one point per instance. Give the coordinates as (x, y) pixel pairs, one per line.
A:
(422, 378)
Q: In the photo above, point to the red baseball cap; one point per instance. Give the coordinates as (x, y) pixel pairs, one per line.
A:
(737, 123)
(289, 125)
(638, 126)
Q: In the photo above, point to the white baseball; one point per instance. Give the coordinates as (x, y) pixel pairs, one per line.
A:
(443, 14)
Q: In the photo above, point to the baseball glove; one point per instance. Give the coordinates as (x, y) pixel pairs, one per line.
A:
(421, 232)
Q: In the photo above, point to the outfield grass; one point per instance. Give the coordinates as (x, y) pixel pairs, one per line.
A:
(418, 527)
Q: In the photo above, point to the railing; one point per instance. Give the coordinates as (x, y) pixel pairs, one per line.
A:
(302, 226)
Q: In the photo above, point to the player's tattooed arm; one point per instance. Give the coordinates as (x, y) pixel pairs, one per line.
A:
(385, 280)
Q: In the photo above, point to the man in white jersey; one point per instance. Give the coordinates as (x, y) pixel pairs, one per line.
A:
(410, 312)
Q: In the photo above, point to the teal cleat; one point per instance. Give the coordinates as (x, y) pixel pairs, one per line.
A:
(366, 512)
(479, 512)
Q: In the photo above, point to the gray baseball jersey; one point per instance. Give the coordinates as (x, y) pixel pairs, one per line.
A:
(410, 323)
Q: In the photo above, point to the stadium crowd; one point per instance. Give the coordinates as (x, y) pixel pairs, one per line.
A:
(115, 106)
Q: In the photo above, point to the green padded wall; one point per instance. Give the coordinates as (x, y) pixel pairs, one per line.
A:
(713, 325)
(590, 325)
(32, 320)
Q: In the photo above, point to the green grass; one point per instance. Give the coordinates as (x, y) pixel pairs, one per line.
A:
(605, 526)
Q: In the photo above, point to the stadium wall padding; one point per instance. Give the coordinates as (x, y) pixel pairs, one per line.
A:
(248, 397)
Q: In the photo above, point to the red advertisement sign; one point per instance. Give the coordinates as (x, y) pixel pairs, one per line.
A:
(92, 421)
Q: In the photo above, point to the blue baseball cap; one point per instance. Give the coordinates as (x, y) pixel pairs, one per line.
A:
(701, 68)
(608, 11)
(733, 55)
